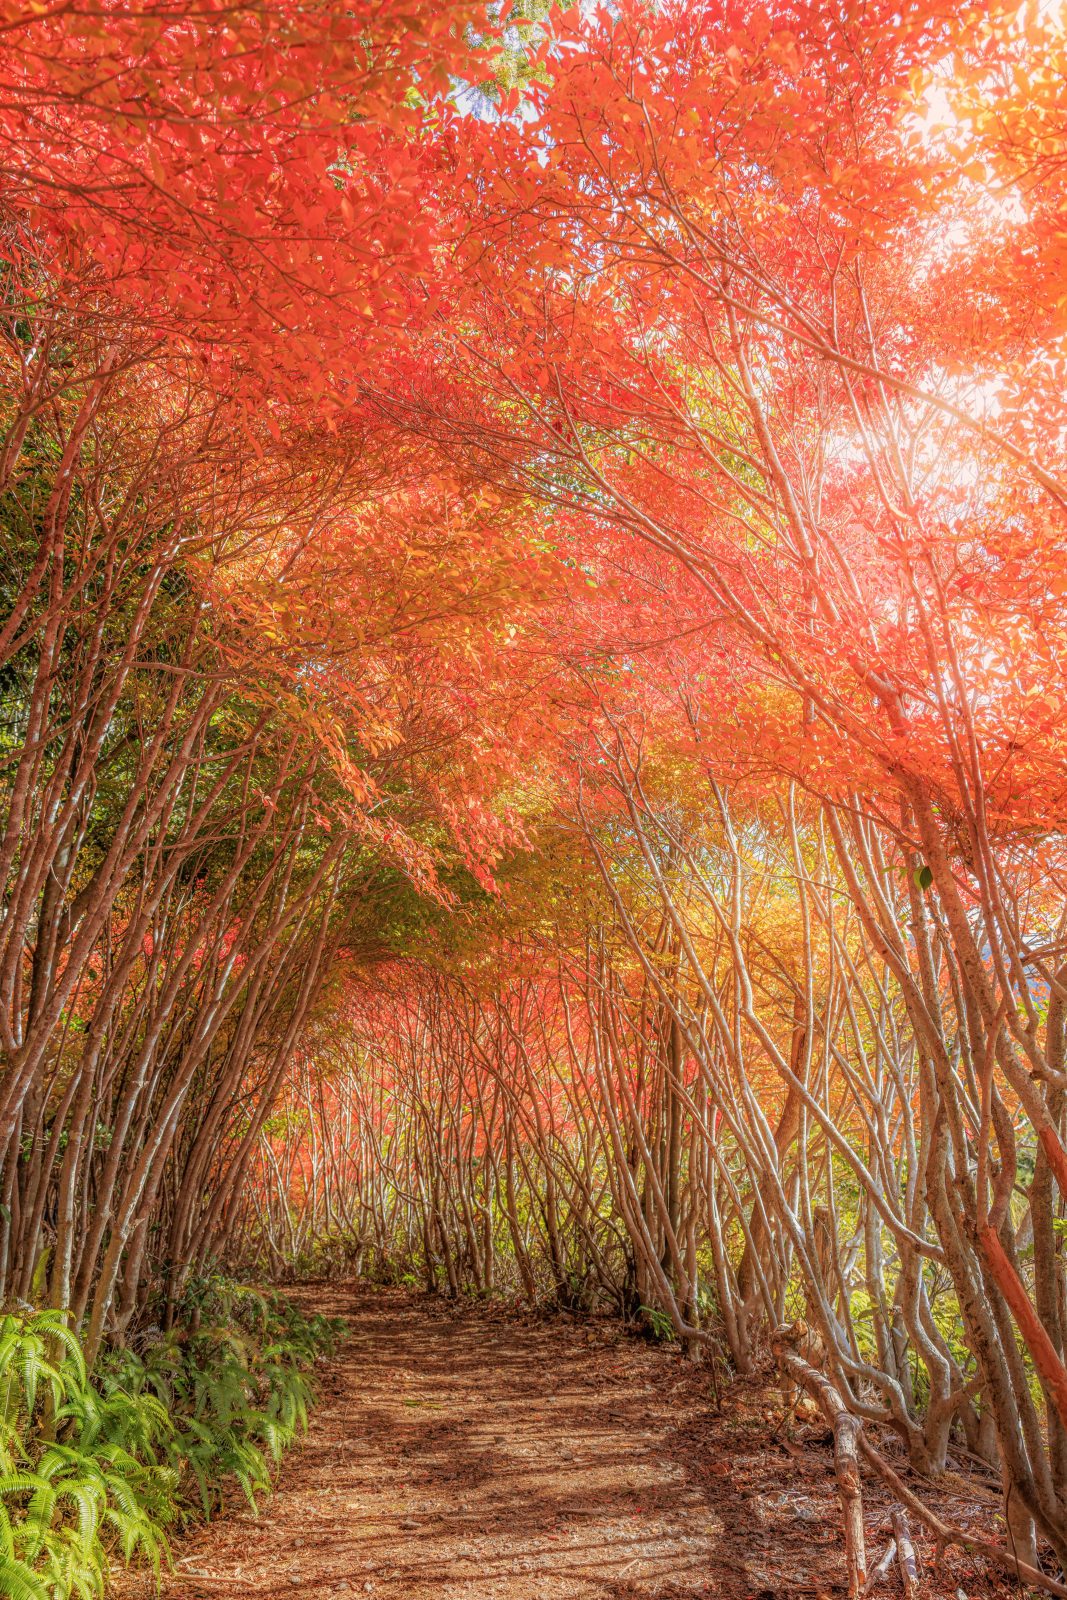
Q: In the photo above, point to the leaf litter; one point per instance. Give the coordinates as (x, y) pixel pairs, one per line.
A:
(470, 1452)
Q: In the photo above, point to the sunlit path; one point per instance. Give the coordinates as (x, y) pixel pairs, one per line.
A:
(460, 1454)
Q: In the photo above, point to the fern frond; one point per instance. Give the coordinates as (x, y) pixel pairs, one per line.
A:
(20, 1582)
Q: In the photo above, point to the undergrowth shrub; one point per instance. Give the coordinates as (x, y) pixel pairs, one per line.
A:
(103, 1465)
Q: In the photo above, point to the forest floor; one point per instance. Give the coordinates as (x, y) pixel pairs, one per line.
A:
(461, 1452)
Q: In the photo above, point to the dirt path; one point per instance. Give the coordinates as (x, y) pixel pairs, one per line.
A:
(461, 1455)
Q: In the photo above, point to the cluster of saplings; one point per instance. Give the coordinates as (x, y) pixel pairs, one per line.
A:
(103, 1465)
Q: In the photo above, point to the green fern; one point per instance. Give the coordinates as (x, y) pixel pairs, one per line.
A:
(102, 1466)
(20, 1582)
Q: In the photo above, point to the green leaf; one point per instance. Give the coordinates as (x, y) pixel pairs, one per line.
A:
(20, 1582)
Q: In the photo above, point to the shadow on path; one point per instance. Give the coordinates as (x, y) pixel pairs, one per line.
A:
(461, 1455)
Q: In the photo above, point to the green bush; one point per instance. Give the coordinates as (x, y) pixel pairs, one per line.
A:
(93, 1467)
